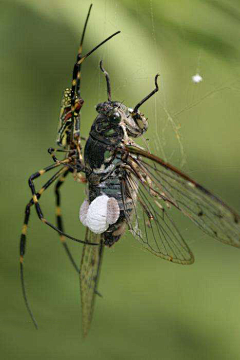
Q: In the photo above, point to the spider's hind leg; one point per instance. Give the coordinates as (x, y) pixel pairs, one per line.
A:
(59, 218)
(28, 211)
(23, 238)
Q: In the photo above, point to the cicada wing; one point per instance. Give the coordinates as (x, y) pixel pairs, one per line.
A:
(172, 187)
(89, 276)
(151, 225)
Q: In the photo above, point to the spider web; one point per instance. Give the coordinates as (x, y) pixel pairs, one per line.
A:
(191, 125)
(142, 51)
(174, 40)
(194, 126)
(187, 120)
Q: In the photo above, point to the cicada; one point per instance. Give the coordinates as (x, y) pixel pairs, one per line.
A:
(127, 189)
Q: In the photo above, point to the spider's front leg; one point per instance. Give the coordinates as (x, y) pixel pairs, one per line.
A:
(36, 203)
(52, 152)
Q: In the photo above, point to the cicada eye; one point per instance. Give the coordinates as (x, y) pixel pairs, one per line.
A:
(99, 108)
(116, 116)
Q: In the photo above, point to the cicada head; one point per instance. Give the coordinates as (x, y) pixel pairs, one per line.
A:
(135, 122)
(107, 125)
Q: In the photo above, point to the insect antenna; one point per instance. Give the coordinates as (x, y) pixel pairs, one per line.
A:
(107, 80)
(148, 96)
(76, 100)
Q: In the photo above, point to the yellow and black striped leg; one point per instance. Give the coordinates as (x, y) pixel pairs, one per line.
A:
(59, 218)
(23, 237)
(37, 206)
(52, 152)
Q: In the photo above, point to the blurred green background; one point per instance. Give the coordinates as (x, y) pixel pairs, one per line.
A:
(151, 309)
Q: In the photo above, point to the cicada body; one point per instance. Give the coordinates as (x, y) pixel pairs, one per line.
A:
(105, 173)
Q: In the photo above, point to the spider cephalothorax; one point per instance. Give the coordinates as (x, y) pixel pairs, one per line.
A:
(65, 133)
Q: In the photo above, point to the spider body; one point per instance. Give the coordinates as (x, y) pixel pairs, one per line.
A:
(67, 134)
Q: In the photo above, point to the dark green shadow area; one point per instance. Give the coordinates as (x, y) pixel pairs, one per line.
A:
(192, 36)
(226, 9)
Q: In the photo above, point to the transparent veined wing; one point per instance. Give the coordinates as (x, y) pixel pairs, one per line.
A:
(172, 187)
(150, 223)
(89, 276)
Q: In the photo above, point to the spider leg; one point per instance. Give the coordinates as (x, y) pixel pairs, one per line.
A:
(59, 218)
(36, 203)
(76, 100)
(52, 152)
(79, 55)
(32, 202)
(23, 239)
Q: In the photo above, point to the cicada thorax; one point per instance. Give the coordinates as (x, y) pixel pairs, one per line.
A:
(69, 123)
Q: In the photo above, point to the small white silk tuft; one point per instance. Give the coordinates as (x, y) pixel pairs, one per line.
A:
(99, 214)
